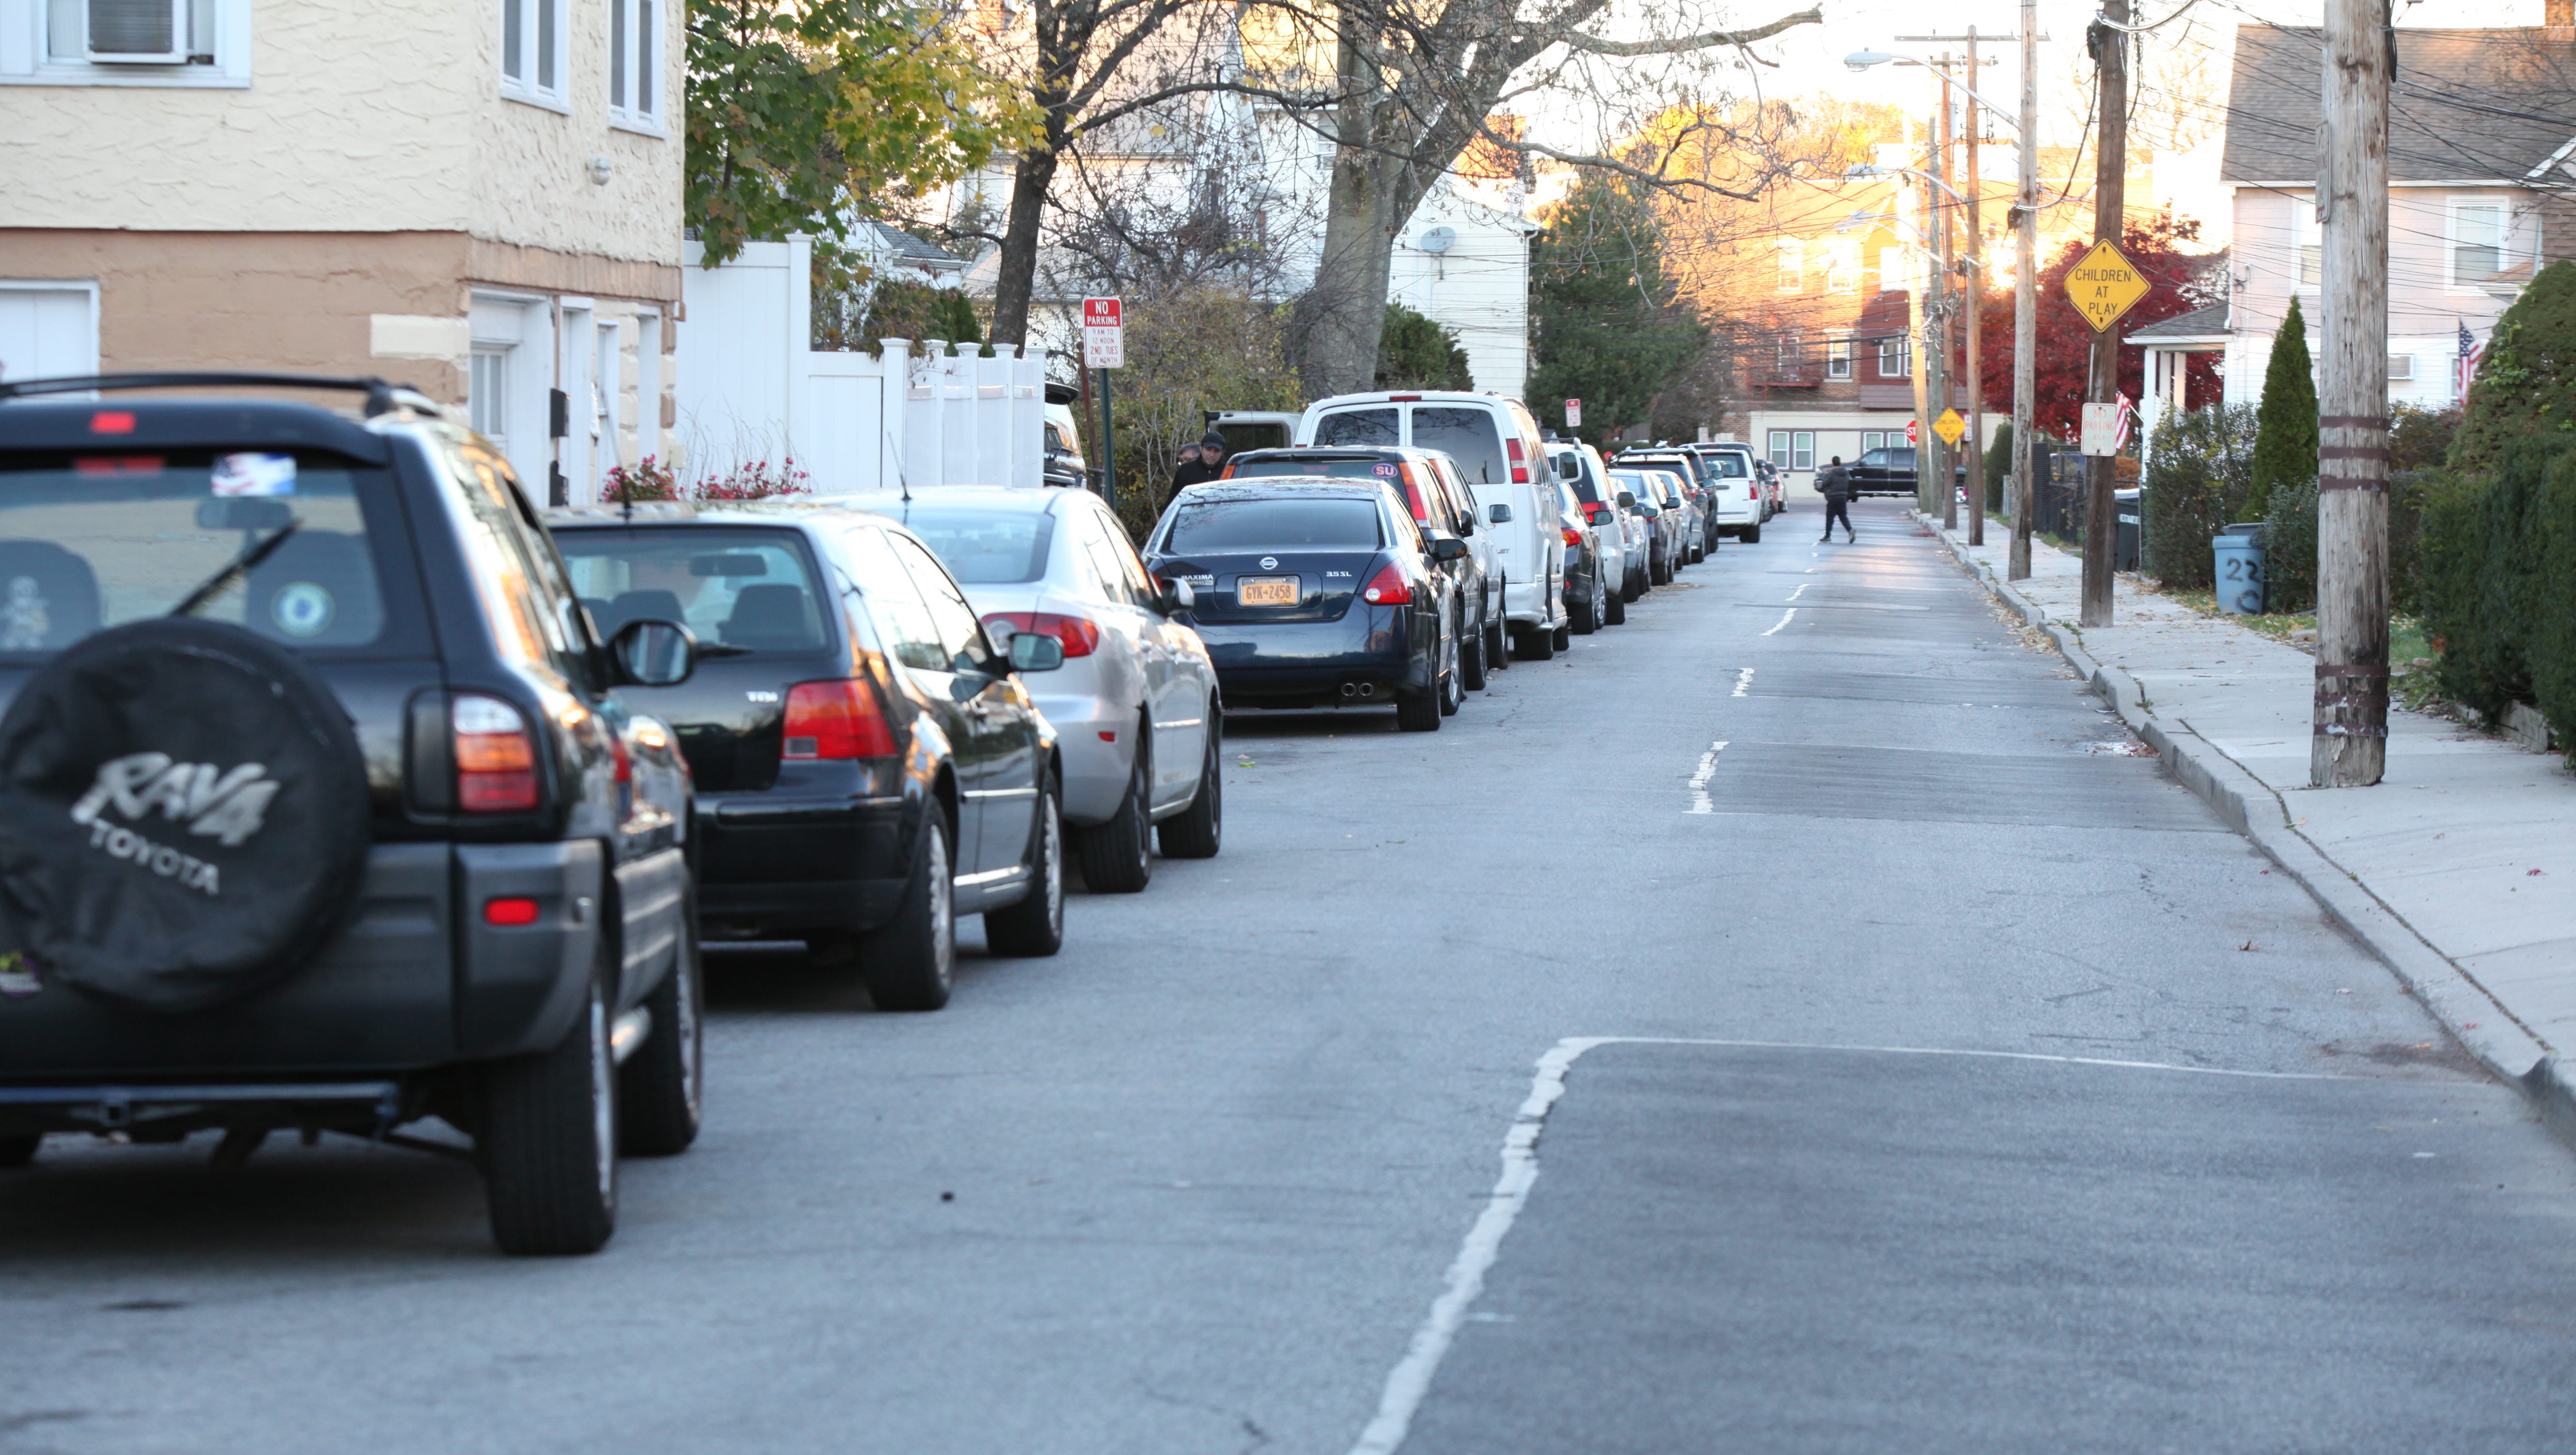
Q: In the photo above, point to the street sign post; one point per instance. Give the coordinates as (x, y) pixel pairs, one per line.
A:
(1574, 414)
(1104, 347)
(1949, 427)
(2103, 285)
(2101, 429)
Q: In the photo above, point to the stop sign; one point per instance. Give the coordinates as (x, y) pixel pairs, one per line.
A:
(1909, 431)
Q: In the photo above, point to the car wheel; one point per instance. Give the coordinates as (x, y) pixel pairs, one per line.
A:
(661, 1090)
(1452, 693)
(1471, 659)
(911, 964)
(1418, 713)
(1661, 569)
(21, 1150)
(1631, 586)
(1118, 856)
(1614, 607)
(1196, 833)
(1536, 644)
(1498, 644)
(549, 1136)
(1034, 927)
(1584, 616)
(1752, 535)
(1562, 639)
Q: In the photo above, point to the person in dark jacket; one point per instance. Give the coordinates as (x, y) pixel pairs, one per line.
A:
(1201, 462)
(1836, 482)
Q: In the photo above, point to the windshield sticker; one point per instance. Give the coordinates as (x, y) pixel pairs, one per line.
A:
(26, 616)
(18, 978)
(1388, 471)
(303, 609)
(254, 474)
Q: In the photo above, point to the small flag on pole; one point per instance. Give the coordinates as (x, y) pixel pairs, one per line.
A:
(2464, 369)
(2128, 413)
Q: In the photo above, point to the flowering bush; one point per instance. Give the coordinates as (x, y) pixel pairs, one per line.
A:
(758, 480)
(650, 479)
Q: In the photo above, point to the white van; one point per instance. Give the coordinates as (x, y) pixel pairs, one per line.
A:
(1495, 444)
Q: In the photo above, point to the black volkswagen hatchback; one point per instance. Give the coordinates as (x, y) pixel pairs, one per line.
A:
(868, 765)
(1312, 592)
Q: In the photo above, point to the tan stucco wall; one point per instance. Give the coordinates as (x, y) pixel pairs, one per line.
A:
(357, 120)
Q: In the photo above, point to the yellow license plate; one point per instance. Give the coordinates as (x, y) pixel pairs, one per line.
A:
(1266, 590)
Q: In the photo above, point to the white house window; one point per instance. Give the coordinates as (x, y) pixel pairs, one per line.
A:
(1792, 275)
(2307, 252)
(2401, 368)
(487, 395)
(1838, 358)
(125, 42)
(1896, 357)
(1842, 272)
(1787, 354)
(634, 63)
(2477, 242)
(533, 33)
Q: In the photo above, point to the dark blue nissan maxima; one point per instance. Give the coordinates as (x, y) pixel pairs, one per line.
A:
(1314, 592)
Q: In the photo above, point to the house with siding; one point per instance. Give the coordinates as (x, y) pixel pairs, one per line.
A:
(481, 199)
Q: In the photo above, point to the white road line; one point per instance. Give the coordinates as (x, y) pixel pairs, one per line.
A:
(1743, 680)
(1783, 621)
(1801, 591)
(1411, 1378)
(1700, 802)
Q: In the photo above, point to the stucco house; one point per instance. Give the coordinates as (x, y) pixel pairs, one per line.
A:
(2482, 168)
(478, 197)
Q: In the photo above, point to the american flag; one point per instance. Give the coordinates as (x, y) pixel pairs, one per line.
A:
(2128, 414)
(2465, 367)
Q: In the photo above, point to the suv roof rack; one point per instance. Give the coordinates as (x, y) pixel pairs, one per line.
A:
(383, 397)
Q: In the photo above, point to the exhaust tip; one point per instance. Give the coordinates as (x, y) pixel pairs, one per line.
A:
(1350, 689)
(1368, 689)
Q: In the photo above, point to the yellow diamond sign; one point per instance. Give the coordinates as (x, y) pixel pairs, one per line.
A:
(2104, 285)
(1949, 426)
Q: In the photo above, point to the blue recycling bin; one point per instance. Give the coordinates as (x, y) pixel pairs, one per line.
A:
(2240, 578)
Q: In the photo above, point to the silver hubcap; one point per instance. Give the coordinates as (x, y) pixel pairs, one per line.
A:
(943, 912)
(1051, 864)
(687, 1030)
(603, 1096)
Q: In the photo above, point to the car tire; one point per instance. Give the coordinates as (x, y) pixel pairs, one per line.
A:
(1631, 586)
(1498, 638)
(911, 964)
(1118, 856)
(18, 1151)
(1471, 660)
(1614, 608)
(1418, 712)
(1197, 832)
(1659, 570)
(1034, 928)
(1751, 535)
(549, 1137)
(1536, 644)
(661, 1090)
(1561, 639)
(1453, 693)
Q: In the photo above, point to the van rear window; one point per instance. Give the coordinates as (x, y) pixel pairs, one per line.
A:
(1467, 435)
(272, 541)
(1365, 428)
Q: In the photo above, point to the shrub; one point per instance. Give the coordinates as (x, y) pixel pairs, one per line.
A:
(647, 479)
(759, 480)
(1413, 352)
(2553, 583)
(2285, 440)
(2484, 596)
(1998, 465)
(2290, 548)
(2526, 384)
(2197, 477)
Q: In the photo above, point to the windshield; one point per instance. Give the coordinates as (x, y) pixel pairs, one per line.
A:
(986, 548)
(748, 589)
(93, 541)
(1467, 433)
(1362, 427)
(1327, 524)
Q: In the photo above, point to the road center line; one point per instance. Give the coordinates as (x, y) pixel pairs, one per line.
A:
(1801, 591)
(1410, 1380)
(1743, 680)
(1700, 801)
(1783, 621)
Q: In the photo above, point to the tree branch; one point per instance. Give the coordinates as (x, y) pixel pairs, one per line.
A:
(1598, 46)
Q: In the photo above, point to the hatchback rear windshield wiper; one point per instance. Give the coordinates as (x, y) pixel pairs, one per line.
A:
(217, 584)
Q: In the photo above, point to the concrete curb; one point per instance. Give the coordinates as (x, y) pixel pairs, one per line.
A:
(2477, 1020)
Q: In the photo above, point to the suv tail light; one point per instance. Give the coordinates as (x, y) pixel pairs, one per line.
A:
(1388, 587)
(1080, 634)
(1520, 464)
(1596, 511)
(839, 718)
(496, 756)
(1572, 536)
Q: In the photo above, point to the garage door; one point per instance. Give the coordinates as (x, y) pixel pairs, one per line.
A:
(47, 329)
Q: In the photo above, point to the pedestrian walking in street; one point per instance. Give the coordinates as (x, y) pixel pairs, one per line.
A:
(1200, 460)
(1836, 482)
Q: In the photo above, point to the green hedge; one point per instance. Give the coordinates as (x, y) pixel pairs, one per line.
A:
(2198, 474)
(2492, 587)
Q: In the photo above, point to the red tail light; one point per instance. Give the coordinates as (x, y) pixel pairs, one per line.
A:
(1402, 398)
(1080, 634)
(835, 719)
(1388, 587)
(1572, 536)
(496, 756)
(510, 912)
(1520, 466)
(1596, 512)
(112, 421)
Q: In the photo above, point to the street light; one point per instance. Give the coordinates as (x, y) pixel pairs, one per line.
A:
(1864, 169)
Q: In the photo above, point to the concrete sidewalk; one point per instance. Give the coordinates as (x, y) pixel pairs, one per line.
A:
(2459, 869)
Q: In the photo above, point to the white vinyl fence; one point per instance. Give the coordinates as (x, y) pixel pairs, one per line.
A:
(751, 388)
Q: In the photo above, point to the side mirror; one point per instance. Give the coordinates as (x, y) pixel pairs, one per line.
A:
(1173, 595)
(1498, 514)
(1036, 652)
(652, 653)
(1627, 499)
(1449, 548)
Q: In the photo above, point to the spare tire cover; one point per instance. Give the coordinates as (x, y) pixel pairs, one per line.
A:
(184, 815)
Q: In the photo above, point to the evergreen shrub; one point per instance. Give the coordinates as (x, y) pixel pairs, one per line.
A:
(2196, 481)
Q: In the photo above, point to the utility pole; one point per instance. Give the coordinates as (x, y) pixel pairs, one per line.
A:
(1932, 462)
(1918, 317)
(2110, 47)
(2348, 746)
(1976, 296)
(2025, 300)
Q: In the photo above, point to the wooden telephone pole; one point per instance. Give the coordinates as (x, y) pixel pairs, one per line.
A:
(1933, 461)
(2348, 746)
(2025, 300)
(1975, 294)
(2110, 47)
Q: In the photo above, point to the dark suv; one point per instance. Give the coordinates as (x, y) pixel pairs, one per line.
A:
(319, 809)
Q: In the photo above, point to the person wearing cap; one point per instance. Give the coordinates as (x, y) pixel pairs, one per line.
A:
(1200, 459)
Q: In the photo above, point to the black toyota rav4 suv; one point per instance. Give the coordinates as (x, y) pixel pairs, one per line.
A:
(319, 809)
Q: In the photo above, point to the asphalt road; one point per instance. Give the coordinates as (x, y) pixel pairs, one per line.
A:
(1966, 1087)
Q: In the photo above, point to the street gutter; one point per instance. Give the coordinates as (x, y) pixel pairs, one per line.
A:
(2482, 1024)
